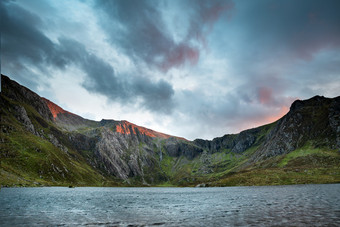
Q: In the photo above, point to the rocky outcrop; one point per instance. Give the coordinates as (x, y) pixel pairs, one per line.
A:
(21, 114)
(245, 140)
(67, 120)
(237, 143)
(128, 128)
(217, 144)
(125, 150)
(15, 91)
(56, 143)
(83, 142)
(176, 148)
(110, 152)
(315, 119)
(124, 155)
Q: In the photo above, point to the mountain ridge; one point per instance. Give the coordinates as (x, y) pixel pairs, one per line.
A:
(55, 109)
(110, 152)
(122, 126)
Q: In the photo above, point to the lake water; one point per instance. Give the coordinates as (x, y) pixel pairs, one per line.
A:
(298, 205)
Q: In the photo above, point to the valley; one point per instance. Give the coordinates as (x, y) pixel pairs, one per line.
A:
(44, 145)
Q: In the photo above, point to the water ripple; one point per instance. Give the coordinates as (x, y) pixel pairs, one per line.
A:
(299, 205)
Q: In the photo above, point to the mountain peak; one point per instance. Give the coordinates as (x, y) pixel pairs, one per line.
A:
(64, 147)
(316, 100)
(126, 127)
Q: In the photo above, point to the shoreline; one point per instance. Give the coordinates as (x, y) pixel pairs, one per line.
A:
(155, 186)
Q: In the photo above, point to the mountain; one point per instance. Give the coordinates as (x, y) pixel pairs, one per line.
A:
(43, 144)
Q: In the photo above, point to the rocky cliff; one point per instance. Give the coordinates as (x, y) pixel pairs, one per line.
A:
(71, 147)
(316, 119)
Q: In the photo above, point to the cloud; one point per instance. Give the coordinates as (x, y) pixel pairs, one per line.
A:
(256, 101)
(178, 56)
(21, 42)
(25, 47)
(204, 67)
(265, 95)
(289, 30)
(102, 79)
(206, 13)
(138, 28)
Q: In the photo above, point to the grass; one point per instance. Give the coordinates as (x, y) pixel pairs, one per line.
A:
(306, 165)
(37, 160)
(278, 176)
(167, 164)
(306, 151)
(166, 184)
(30, 160)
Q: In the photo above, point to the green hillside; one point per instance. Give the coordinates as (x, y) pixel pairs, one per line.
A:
(41, 148)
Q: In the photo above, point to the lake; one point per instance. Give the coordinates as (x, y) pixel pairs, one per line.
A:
(296, 205)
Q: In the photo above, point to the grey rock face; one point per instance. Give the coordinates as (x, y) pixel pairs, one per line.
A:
(235, 143)
(83, 142)
(56, 143)
(316, 119)
(110, 151)
(245, 140)
(131, 153)
(217, 144)
(21, 114)
(122, 154)
(176, 148)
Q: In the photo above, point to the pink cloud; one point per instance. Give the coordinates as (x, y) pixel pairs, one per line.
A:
(200, 27)
(180, 55)
(265, 95)
(276, 116)
(211, 14)
(207, 18)
(259, 120)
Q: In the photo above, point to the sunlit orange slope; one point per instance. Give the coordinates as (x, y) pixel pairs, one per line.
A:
(123, 127)
(126, 127)
(55, 109)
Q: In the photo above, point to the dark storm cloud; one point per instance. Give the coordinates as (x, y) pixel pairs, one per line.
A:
(158, 96)
(137, 26)
(289, 30)
(25, 46)
(246, 61)
(22, 43)
(274, 47)
(102, 79)
(206, 14)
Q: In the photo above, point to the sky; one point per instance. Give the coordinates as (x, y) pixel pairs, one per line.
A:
(195, 69)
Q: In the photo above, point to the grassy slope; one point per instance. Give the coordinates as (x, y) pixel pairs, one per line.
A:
(307, 165)
(207, 167)
(29, 160)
